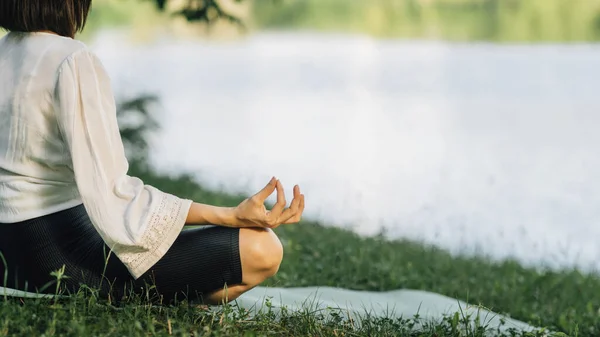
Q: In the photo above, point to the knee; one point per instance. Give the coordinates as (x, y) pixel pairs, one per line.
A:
(265, 252)
(268, 253)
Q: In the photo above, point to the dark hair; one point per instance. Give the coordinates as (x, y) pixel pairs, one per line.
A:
(63, 17)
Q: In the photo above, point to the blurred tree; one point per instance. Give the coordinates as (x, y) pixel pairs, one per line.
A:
(137, 122)
(208, 11)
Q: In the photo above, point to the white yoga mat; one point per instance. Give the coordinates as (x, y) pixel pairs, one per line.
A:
(404, 304)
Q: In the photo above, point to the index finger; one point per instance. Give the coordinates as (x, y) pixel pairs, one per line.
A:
(263, 194)
(280, 204)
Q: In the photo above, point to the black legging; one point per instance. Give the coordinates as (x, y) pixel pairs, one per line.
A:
(199, 262)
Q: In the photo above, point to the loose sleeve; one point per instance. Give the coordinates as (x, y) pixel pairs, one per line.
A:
(137, 221)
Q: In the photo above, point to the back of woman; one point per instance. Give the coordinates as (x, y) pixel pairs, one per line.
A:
(35, 174)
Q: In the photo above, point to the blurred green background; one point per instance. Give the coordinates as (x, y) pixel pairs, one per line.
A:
(462, 20)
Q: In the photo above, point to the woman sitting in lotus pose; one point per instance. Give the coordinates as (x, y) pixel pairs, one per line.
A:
(66, 199)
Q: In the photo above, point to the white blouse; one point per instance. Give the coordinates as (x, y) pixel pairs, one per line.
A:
(60, 147)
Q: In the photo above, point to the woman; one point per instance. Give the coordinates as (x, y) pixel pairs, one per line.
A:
(65, 196)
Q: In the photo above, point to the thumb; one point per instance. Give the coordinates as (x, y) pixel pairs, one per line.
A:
(263, 194)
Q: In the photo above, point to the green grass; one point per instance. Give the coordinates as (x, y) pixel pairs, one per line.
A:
(317, 255)
(82, 315)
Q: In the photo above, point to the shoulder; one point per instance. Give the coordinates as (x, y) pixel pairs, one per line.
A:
(53, 53)
(64, 47)
(46, 52)
(79, 63)
(77, 66)
(77, 54)
(53, 50)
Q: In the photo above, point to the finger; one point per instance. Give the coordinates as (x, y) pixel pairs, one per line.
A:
(301, 204)
(280, 204)
(294, 206)
(263, 194)
(298, 215)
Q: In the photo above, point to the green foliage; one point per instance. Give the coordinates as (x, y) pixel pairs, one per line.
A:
(208, 11)
(465, 20)
(460, 20)
(136, 124)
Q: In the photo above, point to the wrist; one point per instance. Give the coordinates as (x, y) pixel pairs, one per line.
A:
(227, 216)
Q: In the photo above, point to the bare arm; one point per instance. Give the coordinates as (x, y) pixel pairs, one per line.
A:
(202, 214)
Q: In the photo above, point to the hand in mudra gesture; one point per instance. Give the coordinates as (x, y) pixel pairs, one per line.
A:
(253, 213)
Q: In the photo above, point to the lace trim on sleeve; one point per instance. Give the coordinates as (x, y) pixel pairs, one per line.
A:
(165, 225)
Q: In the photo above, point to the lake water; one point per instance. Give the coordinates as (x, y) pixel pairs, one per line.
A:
(476, 148)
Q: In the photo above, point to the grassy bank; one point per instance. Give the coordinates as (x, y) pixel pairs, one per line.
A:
(324, 256)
